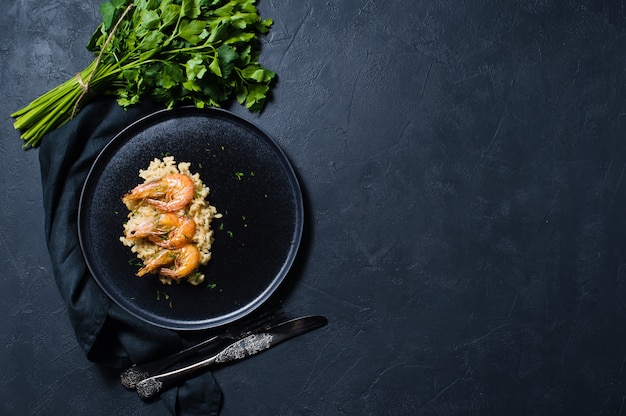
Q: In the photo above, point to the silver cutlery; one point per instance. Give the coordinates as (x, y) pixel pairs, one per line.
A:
(137, 372)
(243, 348)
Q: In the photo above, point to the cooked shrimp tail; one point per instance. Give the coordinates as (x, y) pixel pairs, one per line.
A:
(181, 233)
(163, 258)
(170, 193)
(182, 262)
(187, 260)
(166, 230)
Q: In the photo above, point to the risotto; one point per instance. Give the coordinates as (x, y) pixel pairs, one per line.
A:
(161, 212)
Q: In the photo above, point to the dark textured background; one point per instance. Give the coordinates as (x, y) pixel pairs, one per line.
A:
(464, 167)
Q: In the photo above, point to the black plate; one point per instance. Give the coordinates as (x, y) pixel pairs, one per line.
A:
(252, 184)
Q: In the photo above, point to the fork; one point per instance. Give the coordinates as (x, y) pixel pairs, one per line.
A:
(137, 372)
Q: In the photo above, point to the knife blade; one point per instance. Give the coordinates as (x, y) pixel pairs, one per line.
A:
(243, 348)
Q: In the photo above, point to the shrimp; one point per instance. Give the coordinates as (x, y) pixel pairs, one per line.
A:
(181, 262)
(163, 258)
(187, 260)
(170, 193)
(166, 230)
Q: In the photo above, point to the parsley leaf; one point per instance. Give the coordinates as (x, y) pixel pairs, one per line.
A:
(174, 52)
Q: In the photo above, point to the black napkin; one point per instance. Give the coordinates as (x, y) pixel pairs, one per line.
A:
(107, 334)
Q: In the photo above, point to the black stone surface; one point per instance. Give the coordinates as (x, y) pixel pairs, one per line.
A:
(463, 165)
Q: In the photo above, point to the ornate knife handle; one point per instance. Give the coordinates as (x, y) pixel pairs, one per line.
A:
(246, 347)
(250, 345)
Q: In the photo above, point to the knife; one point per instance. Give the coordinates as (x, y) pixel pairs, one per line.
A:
(243, 348)
(267, 319)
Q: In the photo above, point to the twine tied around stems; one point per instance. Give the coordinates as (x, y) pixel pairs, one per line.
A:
(84, 84)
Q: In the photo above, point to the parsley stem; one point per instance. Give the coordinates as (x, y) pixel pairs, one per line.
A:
(161, 50)
(191, 49)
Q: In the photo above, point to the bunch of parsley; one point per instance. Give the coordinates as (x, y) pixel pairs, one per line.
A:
(172, 51)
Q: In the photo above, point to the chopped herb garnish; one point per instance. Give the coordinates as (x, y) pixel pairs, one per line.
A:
(164, 295)
(195, 278)
(230, 233)
(135, 262)
(239, 175)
